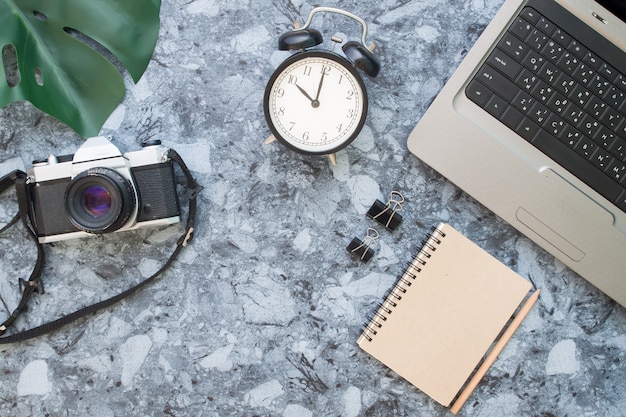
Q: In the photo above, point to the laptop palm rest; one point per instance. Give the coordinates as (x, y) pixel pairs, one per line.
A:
(533, 219)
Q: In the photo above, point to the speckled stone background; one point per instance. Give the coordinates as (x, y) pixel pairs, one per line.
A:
(260, 314)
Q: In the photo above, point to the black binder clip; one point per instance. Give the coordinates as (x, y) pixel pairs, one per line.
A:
(387, 214)
(362, 248)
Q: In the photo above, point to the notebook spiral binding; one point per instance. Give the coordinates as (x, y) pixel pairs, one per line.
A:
(403, 284)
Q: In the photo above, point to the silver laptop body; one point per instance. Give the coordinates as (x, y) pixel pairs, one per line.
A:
(517, 181)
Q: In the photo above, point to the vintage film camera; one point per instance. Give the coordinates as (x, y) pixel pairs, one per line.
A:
(100, 190)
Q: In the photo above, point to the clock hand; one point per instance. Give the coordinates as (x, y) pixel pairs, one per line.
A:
(319, 89)
(304, 92)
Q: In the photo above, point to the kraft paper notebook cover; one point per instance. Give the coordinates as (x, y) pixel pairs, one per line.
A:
(441, 319)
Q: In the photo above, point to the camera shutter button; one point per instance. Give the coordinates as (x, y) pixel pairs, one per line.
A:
(151, 142)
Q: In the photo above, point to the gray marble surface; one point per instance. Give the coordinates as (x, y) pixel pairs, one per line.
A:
(260, 314)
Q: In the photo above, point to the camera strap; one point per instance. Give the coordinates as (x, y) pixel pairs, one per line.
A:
(35, 283)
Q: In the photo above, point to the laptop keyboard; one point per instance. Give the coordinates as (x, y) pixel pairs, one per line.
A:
(561, 97)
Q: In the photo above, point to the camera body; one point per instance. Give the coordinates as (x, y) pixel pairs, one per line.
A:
(99, 190)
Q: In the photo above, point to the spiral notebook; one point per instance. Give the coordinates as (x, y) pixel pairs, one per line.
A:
(447, 317)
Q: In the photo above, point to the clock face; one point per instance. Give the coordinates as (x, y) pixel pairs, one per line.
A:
(315, 102)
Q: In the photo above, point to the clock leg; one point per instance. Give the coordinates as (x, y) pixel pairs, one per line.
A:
(333, 158)
(269, 140)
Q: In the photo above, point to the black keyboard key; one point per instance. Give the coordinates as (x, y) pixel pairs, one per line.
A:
(617, 170)
(618, 149)
(496, 106)
(512, 117)
(568, 62)
(545, 26)
(533, 61)
(599, 85)
(496, 82)
(585, 148)
(478, 93)
(580, 96)
(527, 129)
(549, 72)
(570, 136)
(555, 125)
(558, 103)
(608, 71)
(526, 80)
(615, 97)
(537, 39)
(565, 84)
(593, 60)
(601, 159)
(589, 126)
(574, 114)
(553, 52)
(513, 46)
(504, 63)
(578, 50)
(530, 14)
(605, 138)
(621, 129)
(561, 37)
(539, 113)
(521, 28)
(542, 92)
(595, 107)
(583, 73)
(523, 102)
(611, 118)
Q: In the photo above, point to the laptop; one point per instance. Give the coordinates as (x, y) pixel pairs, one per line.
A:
(533, 125)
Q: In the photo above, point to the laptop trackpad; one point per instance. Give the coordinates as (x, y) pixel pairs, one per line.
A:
(549, 234)
(572, 207)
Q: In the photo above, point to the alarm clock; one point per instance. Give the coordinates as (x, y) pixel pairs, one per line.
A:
(315, 102)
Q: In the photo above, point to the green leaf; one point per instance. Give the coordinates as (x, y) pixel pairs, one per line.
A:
(46, 42)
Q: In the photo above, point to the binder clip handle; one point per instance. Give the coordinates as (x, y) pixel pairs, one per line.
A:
(362, 247)
(387, 214)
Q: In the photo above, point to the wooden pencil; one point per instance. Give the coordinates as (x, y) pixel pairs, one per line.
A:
(491, 357)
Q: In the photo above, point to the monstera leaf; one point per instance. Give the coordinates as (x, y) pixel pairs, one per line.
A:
(52, 55)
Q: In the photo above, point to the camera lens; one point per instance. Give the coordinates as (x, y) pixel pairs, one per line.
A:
(99, 200)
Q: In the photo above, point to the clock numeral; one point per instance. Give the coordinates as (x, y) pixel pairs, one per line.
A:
(305, 136)
(280, 92)
(324, 137)
(292, 125)
(325, 70)
(281, 111)
(307, 70)
(340, 79)
(350, 94)
(340, 127)
(350, 113)
(292, 79)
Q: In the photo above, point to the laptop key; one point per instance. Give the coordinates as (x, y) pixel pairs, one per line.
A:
(496, 82)
(617, 170)
(601, 159)
(512, 117)
(527, 129)
(513, 46)
(504, 63)
(496, 106)
(478, 93)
